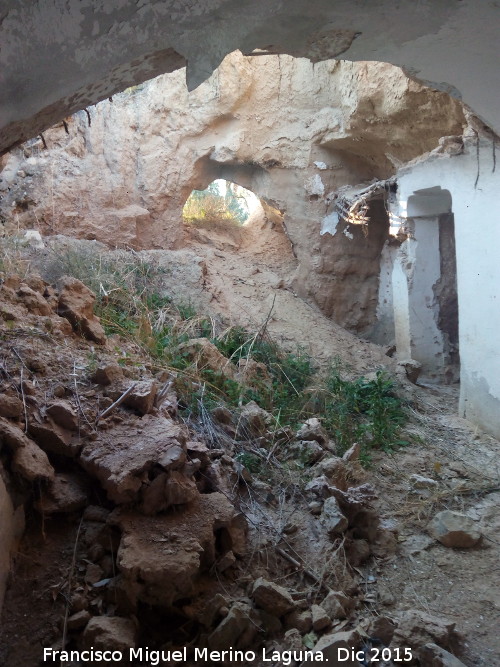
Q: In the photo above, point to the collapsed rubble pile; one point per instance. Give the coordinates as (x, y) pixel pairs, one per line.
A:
(170, 540)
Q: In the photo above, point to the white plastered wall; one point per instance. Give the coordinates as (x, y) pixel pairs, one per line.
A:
(474, 184)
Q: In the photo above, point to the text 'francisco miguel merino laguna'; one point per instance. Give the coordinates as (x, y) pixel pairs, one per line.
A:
(153, 657)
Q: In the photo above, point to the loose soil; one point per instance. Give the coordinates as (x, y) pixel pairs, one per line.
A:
(247, 281)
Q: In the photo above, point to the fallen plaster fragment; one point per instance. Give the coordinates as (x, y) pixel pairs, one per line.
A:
(329, 224)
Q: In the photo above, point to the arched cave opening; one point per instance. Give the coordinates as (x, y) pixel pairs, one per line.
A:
(222, 202)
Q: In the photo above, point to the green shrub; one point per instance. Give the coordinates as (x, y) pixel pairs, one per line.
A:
(364, 411)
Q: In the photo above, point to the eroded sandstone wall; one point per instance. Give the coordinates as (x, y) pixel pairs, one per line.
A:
(292, 131)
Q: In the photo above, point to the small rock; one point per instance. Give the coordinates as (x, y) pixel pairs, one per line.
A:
(271, 597)
(237, 629)
(206, 356)
(301, 620)
(173, 458)
(78, 620)
(352, 454)
(28, 459)
(432, 655)
(335, 470)
(222, 415)
(382, 627)
(271, 625)
(142, 397)
(334, 522)
(333, 605)
(52, 438)
(110, 633)
(78, 602)
(33, 301)
(37, 365)
(76, 304)
(320, 619)
(65, 493)
(421, 482)
(454, 530)
(411, 369)
(306, 451)
(106, 375)
(63, 414)
(253, 420)
(93, 573)
(227, 561)
(312, 430)
(358, 551)
(416, 628)
(10, 406)
(315, 507)
(319, 487)
(330, 644)
(293, 640)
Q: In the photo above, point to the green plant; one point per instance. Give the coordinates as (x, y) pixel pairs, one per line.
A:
(363, 410)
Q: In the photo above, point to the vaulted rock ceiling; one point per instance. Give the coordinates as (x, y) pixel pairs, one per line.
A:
(58, 56)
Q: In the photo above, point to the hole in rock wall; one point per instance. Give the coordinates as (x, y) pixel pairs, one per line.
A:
(221, 203)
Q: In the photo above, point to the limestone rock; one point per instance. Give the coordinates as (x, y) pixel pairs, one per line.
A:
(312, 430)
(335, 470)
(253, 374)
(141, 398)
(162, 557)
(253, 420)
(334, 522)
(107, 374)
(410, 369)
(416, 628)
(79, 620)
(167, 490)
(330, 644)
(432, 655)
(352, 454)
(320, 619)
(65, 493)
(64, 415)
(237, 630)
(10, 406)
(301, 620)
(28, 459)
(33, 301)
(454, 530)
(421, 482)
(336, 604)
(358, 551)
(76, 304)
(206, 356)
(110, 633)
(32, 463)
(382, 627)
(271, 597)
(306, 451)
(121, 463)
(11, 436)
(53, 438)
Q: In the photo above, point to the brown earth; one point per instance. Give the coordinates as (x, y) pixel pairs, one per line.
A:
(386, 564)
